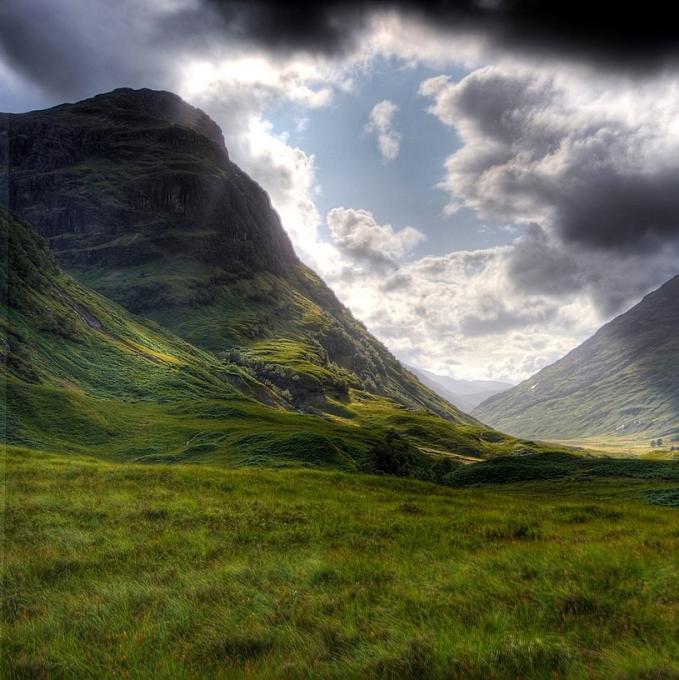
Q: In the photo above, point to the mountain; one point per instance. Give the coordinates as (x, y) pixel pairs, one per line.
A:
(185, 328)
(82, 375)
(622, 380)
(465, 394)
(137, 197)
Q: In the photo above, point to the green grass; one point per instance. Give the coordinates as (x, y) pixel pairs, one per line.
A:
(289, 331)
(118, 570)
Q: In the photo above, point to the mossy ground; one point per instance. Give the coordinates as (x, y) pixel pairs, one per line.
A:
(146, 571)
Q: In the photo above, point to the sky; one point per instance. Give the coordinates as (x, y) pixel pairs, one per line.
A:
(484, 183)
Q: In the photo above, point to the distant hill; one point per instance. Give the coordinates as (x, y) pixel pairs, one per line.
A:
(465, 394)
(622, 380)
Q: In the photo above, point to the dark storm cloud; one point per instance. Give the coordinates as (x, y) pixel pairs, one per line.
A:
(537, 265)
(621, 210)
(68, 47)
(600, 175)
(326, 27)
(71, 50)
(32, 41)
(530, 153)
(611, 32)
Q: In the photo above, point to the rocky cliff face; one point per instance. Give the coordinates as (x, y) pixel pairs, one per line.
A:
(134, 176)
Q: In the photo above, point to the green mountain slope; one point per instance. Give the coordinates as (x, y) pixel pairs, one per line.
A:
(136, 195)
(623, 380)
(80, 374)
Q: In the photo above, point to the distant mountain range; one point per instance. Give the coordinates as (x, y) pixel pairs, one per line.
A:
(624, 380)
(465, 394)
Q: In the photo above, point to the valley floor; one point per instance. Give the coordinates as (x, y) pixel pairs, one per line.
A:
(622, 446)
(119, 570)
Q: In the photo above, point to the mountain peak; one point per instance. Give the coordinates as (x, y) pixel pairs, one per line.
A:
(125, 102)
(139, 176)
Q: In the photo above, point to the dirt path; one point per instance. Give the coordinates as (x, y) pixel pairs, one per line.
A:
(465, 460)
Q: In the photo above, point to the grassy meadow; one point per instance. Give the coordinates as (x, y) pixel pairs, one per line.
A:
(637, 445)
(148, 571)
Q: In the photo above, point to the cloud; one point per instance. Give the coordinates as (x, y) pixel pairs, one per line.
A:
(299, 80)
(70, 51)
(501, 312)
(357, 235)
(588, 165)
(461, 313)
(539, 264)
(80, 44)
(607, 33)
(564, 153)
(381, 122)
(326, 27)
(502, 320)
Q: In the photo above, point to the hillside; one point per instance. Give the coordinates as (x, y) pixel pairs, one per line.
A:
(623, 380)
(82, 375)
(135, 193)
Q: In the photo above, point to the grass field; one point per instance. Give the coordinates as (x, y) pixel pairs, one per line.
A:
(150, 571)
(625, 446)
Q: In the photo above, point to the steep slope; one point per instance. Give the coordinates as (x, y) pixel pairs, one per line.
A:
(80, 374)
(136, 195)
(622, 380)
(465, 394)
(80, 371)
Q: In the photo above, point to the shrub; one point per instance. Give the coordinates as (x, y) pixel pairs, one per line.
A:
(394, 455)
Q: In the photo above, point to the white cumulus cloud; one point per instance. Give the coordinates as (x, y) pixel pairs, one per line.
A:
(362, 239)
(381, 123)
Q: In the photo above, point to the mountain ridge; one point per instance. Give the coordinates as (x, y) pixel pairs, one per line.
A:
(81, 375)
(621, 380)
(465, 394)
